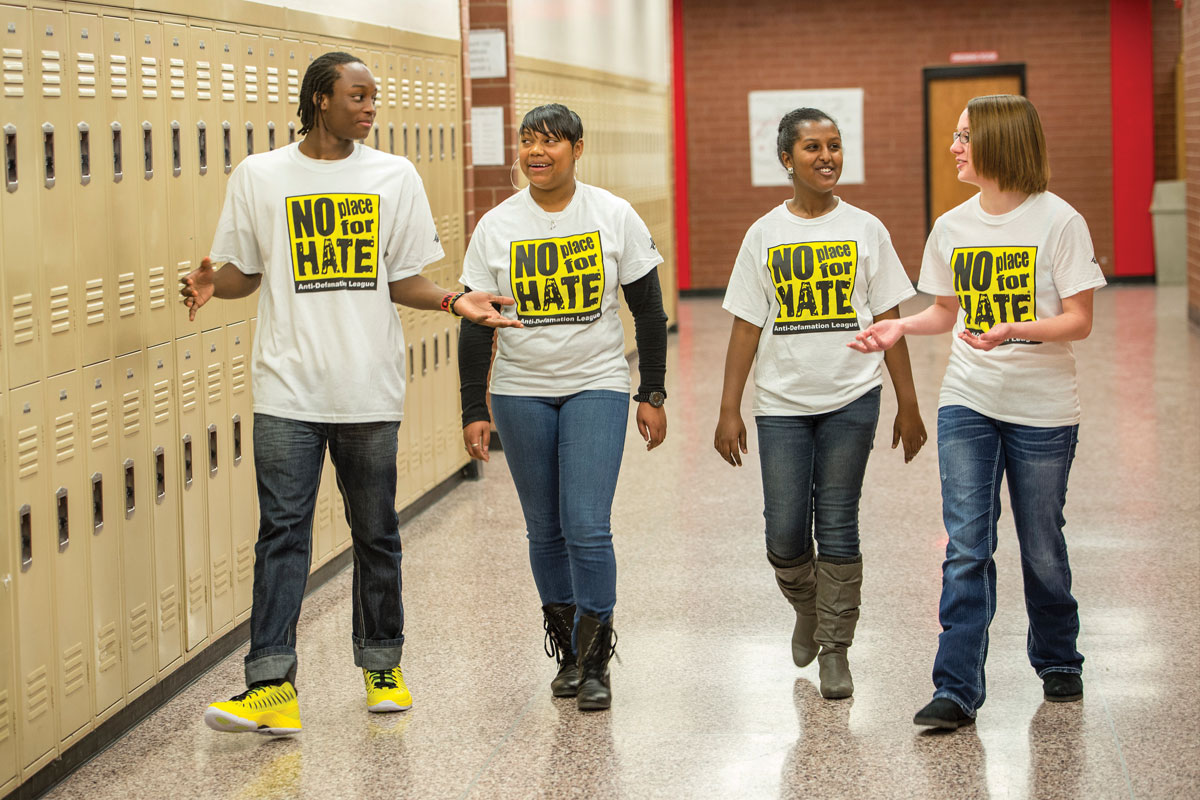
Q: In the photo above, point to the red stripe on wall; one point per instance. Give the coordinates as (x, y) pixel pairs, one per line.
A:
(683, 251)
(1132, 41)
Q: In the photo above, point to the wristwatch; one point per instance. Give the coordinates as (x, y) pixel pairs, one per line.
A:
(655, 399)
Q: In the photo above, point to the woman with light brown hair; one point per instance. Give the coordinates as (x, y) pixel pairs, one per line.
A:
(1013, 271)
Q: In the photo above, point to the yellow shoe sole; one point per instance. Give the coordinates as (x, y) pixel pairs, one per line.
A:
(271, 724)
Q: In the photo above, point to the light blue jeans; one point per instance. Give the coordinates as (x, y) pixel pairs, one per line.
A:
(974, 453)
(564, 454)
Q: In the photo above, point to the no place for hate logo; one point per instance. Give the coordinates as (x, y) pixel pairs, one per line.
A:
(995, 284)
(558, 280)
(334, 241)
(814, 283)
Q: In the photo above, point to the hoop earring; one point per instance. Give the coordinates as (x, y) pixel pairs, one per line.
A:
(791, 171)
(512, 175)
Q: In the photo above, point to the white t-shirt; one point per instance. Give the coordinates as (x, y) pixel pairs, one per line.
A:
(811, 285)
(563, 269)
(1013, 267)
(327, 236)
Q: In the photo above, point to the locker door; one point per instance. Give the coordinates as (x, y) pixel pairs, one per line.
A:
(403, 473)
(104, 492)
(88, 177)
(180, 173)
(253, 101)
(427, 411)
(33, 531)
(191, 488)
(391, 100)
(69, 502)
(242, 485)
(213, 463)
(137, 545)
(153, 174)
(8, 642)
(59, 283)
(206, 155)
(440, 404)
(23, 313)
(163, 474)
(123, 149)
(338, 523)
(228, 58)
(378, 138)
(298, 58)
(274, 92)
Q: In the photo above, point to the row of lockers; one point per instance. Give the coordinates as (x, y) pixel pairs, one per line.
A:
(120, 131)
(131, 493)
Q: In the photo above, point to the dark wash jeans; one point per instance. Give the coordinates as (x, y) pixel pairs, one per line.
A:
(974, 453)
(288, 456)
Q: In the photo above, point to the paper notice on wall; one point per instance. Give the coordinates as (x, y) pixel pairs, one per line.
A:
(488, 54)
(767, 108)
(487, 136)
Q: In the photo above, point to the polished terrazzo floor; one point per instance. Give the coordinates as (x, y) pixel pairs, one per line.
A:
(707, 701)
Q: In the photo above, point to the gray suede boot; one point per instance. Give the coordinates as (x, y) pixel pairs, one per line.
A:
(839, 592)
(798, 582)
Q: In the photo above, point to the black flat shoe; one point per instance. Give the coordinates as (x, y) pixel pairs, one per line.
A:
(943, 713)
(1062, 687)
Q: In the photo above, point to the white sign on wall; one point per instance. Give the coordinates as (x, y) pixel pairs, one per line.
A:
(767, 108)
(487, 136)
(489, 54)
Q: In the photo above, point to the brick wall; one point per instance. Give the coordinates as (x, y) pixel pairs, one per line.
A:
(883, 46)
(1191, 59)
(492, 184)
(1168, 35)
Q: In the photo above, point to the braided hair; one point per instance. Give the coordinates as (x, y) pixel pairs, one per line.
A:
(790, 124)
(319, 79)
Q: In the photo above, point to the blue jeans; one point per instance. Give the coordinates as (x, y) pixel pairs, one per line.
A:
(288, 457)
(974, 453)
(564, 454)
(812, 476)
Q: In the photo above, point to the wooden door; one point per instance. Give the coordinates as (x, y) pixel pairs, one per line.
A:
(946, 94)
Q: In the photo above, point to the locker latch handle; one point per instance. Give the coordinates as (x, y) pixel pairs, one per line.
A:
(404, 138)
(227, 136)
(212, 450)
(237, 439)
(453, 143)
(392, 138)
(118, 171)
(249, 138)
(202, 146)
(48, 145)
(97, 503)
(436, 351)
(176, 150)
(417, 129)
(130, 490)
(442, 141)
(430, 131)
(25, 523)
(412, 364)
(160, 476)
(85, 154)
(376, 131)
(291, 132)
(10, 157)
(270, 135)
(64, 518)
(148, 148)
(187, 461)
(424, 357)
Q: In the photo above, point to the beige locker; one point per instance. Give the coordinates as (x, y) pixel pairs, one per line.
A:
(251, 50)
(322, 527)
(24, 325)
(389, 102)
(206, 156)
(33, 534)
(156, 273)
(273, 90)
(123, 149)
(184, 248)
(403, 479)
(240, 447)
(250, 440)
(428, 407)
(87, 179)
(69, 508)
(341, 526)
(191, 487)
(229, 89)
(104, 488)
(8, 633)
(375, 62)
(445, 381)
(163, 475)
(213, 467)
(137, 544)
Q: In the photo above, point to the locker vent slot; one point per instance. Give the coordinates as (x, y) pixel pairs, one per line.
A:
(25, 525)
(10, 158)
(139, 628)
(220, 576)
(168, 608)
(28, 446)
(37, 693)
(130, 490)
(187, 461)
(196, 591)
(97, 503)
(64, 518)
(157, 278)
(187, 391)
(85, 154)
(131, 420)
(118, 171)
(148, 149)
(107, 642)
(162, 402)
(237, 374)
(245, 562)
(74, 669)
(93, 298)
(237, 438)
(126, 294)
(60, 309)
(391, 92)
(22, 318)
(160, 476)
(48, 154)
(14, 72)
(5, 714)
(202, 147)
(99, 426)
(212, 450)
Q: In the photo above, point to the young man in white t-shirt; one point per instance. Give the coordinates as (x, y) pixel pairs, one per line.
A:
(333, 233)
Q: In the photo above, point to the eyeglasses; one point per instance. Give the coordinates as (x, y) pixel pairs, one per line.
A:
(962, 136)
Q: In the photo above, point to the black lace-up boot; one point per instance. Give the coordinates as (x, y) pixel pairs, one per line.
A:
(559, 622)
(597, 644)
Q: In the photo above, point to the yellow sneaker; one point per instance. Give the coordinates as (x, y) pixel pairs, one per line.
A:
(269, 709)
(386, 690)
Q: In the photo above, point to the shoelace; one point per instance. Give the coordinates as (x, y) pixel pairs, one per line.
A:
(254, 692)
(383, 679)
(550, 645)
